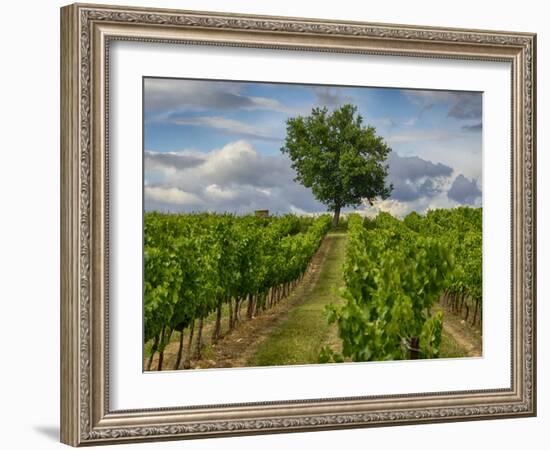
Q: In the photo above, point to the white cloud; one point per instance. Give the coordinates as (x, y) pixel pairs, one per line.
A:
(229, 126)
(391, 122)
(269, 104)
(421, 136)
(394, 207)
(213, 191)
(400, 209)
(171, 195)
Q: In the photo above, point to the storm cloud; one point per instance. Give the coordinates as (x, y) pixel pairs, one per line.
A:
(476, 127)
(413, 177)
(331, 97)
(466, 106)
(199, 95)
(464, 191)
(461, 105)
(176, 160)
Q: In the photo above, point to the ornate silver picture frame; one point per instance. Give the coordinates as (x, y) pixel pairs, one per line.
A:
(87, 34)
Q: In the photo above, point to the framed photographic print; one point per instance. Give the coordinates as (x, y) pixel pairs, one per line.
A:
(276, 224)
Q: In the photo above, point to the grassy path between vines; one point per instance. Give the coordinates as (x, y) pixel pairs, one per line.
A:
(300, 337)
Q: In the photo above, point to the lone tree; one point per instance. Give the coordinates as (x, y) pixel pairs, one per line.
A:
(340, 159)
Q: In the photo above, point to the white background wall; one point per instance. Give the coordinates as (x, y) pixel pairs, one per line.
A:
(29, 223)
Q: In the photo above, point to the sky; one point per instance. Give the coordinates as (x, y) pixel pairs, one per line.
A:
(215, 145)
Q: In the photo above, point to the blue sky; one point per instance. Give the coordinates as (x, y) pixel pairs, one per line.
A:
(215, 145)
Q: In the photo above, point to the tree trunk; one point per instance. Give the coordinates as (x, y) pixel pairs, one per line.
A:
(336, 217)
(187, 360)
(231, 318)
(161, 354)
(198, 347)
(414, 348)
(462, 300)
(217, 326)
(153, 351)
(236, 314)
(270, 297)
(250, 306)
(161, 360)
(180, 351)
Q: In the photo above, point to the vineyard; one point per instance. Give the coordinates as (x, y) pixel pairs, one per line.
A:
(204, 264)
(290, 290)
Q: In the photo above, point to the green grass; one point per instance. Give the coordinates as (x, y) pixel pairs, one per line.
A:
(298, 340)
(449, 348)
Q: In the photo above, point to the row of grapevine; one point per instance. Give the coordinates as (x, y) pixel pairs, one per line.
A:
(198, 265)
(395, 271)
(461, 230)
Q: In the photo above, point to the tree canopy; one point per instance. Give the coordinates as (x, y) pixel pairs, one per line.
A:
(340, 159)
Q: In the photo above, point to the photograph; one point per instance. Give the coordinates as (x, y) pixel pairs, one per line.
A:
(297, 224)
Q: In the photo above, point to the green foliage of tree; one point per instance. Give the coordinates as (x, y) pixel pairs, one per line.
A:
(340, 159)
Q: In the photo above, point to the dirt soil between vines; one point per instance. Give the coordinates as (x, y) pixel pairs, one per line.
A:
(466, 336)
